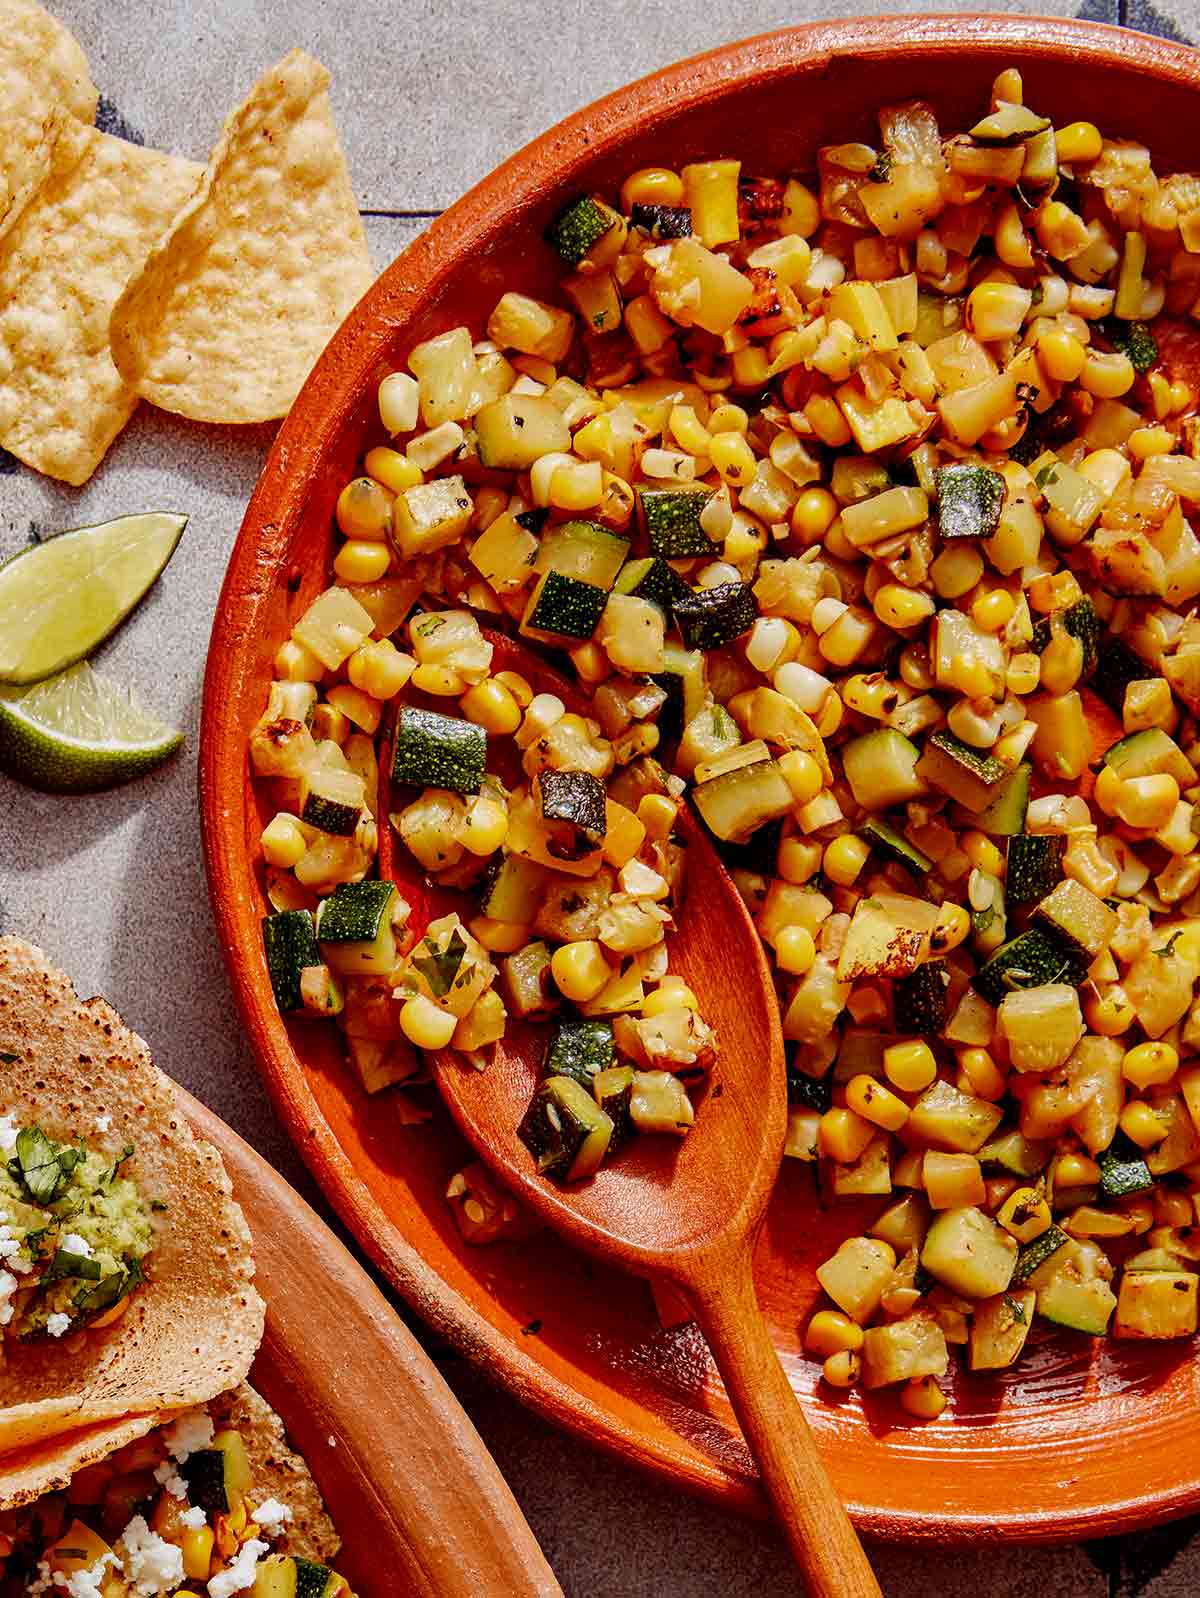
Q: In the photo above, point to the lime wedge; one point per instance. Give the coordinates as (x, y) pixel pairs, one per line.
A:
(76, 732)
(61, 598)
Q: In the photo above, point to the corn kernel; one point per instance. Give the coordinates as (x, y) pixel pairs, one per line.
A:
(992, 611)
(668, 996)
(364, 511)
(658, 814)
(1025, 1214)
(842, 1135)
(996, 310)
(1061, 355)
(1147, 802)
(812, 515)
(728, 418)
(440, 681)
(901, 607)
(1173, 1209)
(197, 1547)
(829, 716)
(802, 775)
(1150, 1064)
(379, 668)
(426, 1024)
(399, 402)
(1080, 141)
(359, 561)
(875, 1103)
(282, 841)
(329, 724)
(1109, 1013)
(296, 663)
(499, 937)
(395, 471)
(1146, 441)
(825, 417)
(364, 710)
(953, 924)
(733, 459)
(651, 185)
(485, 828)
(956, 571)
(982, 852)
(922, 1398)
(831, 1332)
(910, 1067)
(580, 970)
(844, 858)
(801, 210)
(490, 705)
(1141, 1125)
(986, 1079)
(799, 859)
(1023, 674)
(1075, 1170)
(842, 1370)
(1107, 376)
(517, 686)
(795, 950)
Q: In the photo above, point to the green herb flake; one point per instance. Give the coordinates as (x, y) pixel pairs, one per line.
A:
(441, 967)
(43, 1167)
(65, 1263)
(1168, 948)
(1016, 1309)
(9, 1059)
(882, 170)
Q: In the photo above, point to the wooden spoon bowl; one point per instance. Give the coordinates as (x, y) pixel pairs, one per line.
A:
(688, 1209)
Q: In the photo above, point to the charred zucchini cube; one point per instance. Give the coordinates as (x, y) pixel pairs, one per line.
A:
(573, 810)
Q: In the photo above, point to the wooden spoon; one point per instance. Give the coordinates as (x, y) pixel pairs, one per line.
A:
(687, 1209)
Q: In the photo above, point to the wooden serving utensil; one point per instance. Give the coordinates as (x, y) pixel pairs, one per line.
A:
(685, 1209)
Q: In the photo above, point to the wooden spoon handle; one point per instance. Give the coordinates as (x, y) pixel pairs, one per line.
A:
(813, 1519)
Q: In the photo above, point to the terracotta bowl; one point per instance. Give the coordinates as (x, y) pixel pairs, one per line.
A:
(1080, 1438)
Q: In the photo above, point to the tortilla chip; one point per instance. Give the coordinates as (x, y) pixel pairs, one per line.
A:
(280, 1474)
(62, 266)
(192, 1330)
(227, 316)
(35, 49)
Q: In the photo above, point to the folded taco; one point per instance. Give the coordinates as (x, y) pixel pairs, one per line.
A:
(214, 1502)
(126, 1272)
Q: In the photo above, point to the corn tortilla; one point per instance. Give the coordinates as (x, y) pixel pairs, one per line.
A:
(192, 1330)
(279, 1473)
(62, 266)
(225, 318)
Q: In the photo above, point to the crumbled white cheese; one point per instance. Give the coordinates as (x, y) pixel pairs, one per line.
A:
(74, 1244)
(8, 1133)
(238, 1575)
(90, 1583)
(10, 1249)
(193, 1518)
(151, 1564)
(104, 1123)
(8, 1286)
(193, 1430)
(58, 1324)
(272, 1515)
(43, 1582)
(167, 1476)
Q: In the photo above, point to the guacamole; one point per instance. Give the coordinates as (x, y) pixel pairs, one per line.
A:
(74, 1232)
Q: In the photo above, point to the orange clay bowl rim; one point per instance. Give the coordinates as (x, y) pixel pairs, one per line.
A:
(516, 193)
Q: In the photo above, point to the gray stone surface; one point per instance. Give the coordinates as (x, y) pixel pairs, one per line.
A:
(429, 97)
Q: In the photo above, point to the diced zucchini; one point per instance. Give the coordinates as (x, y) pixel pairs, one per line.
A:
(527, 979)
(856, 1275)
(1036, 1254)
(685, 682)
(904, 1350)
(660, 1103)
(810, 1092)
(1072, 1288)
(355, 929)
(436, 751)
(583, 550)
(565, 1130)
(1123, 1169)
(563, 607)
(581, 1049)
(1005, 813)
(894, 845)
(1079, 621)
(959, 643)
(1027, 960)
(888, 936)
(333, 627)
(1181, 1146)
(869, 1176)
(1041, 1025)
(430, 516)
(613, 1092)
(1154, 1259)
(712, 617)
(999, 1327)
(970, 499)
(671, 521)
(504, 554)
(1149, 753)
(1033, 866)
(968, 1253)
(332, 799)
(903, 1224)
(290, 945)
(662, 221)
(1117, 665)
(1133, 339)
(1009, 124)
(579, 226)
(919, 1000)
(218, 1476)
(1075, 914)
(573, 811)
(512, 890)
(964, 773)
(1156, 1304)
(736, 803)
(882, 769)
(517, 429)
(649, 577)
(944, 1117)
(1014, 1152)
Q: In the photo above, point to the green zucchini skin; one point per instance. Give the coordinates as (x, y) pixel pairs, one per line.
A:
(573, 807)
(354, 911)
(1123, 1169)
(204, 1472)
(811, 1092)
(564, 607)
(613, 1090)
(649, 577)
(984, 768)
(1133, 339)
(581, 1049)
(1038, 1252)
(436, 751)
(1080, 621)
(1116, 667)
(894, 846)
(512, 890)
(561, 1117)
(583, 550)
(1005, 814)
(290, 944)
(712, 617)
(1034, 865)
(527, 978)
(919, 1000)
(577, 227)
(312, 1579)
(1045, 957)
(970, 499)
(671, 521)
(663, 221)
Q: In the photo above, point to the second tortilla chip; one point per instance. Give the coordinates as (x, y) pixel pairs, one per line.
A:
(227, 316)
(71, 252)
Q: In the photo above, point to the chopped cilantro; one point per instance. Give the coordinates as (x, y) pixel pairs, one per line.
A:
(65, 1263)
(9, 1059)
(441, 966)
(1016, 1309)
(1168, 948)
(43, 1167)
(882, 170)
